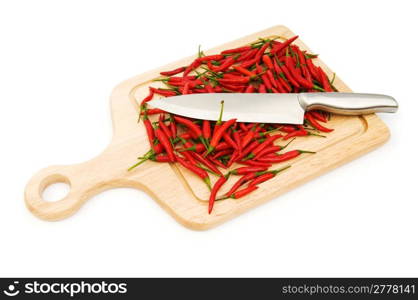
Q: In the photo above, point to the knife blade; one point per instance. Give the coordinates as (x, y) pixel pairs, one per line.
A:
(273, 108)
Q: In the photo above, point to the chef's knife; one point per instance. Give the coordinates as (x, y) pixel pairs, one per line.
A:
(273, 108)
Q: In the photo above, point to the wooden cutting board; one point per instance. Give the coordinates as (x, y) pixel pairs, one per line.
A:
(178, 191)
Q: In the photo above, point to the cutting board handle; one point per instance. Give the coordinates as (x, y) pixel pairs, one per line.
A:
(78, 194)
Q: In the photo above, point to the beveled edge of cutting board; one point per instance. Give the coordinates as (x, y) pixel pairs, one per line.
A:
(193, 216)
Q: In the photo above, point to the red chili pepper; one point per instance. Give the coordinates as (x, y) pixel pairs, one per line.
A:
(198, 171)
(243, 126)
(223, 153)
(206, 162)
(237, 139)
(324, 80)
(209, 88)
(218, 134)
(231, 75)
(270, 140)
(249, 89)
(261, 51)
(186, 136)
(226, 64)
(315, 123)
(206, 131)
(150, 131)
(185, 89)
(261, 179)
(268, 150)
(166, 93)
(251, 147)
(154, 111)
(240, 182)
(262, 88)
(287, 128)
(189, 157)
(283, 157)
(173, 127)
(216, 187)
(173, 72)
(222, 146)
(236, 50)
(229, 140)
(266, 176)
(162, 137)
(189, 124)
(244, 192)
(198, 90)
(217, 162)
(248, 137)
(283, 45)
(255, 163)
(271, 78)
(215, 57)
(199, 148)
(233, 88)
(247, 55)
(312, 69)
(266, 82)
(195, 64)
(285, 84)
(246, 170)
(233, 158)
(281, 76)
(242, 80)
(164, 127)
(319, 116)
(147, 98)
(269, 63)
(245, 71)
(218, 89)
(295, 134)
(249, 63)
(161, 158)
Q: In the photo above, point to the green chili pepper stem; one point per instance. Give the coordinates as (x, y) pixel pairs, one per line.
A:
(304, 151)
(212, 72)
(333, 78)
(323, 136)
(162, 79)
(199, 52)
(315, 87)
(207, 170)
(208, 151)
(287, 144)
(204, 142)
(137, 164)
(207, 182)
(310, 56)
(143, 108)
(273, 171)
(219, 122)
(147, 156)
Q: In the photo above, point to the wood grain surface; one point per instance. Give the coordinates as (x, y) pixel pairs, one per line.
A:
(179, 192)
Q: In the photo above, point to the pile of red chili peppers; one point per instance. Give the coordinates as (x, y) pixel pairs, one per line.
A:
(203, 147)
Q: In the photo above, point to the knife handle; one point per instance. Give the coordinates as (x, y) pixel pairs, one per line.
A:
(348, 103)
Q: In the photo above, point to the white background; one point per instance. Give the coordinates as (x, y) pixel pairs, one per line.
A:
(59, 61)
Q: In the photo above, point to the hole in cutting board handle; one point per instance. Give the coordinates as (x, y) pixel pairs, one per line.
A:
(55, 188)
(56, 191)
